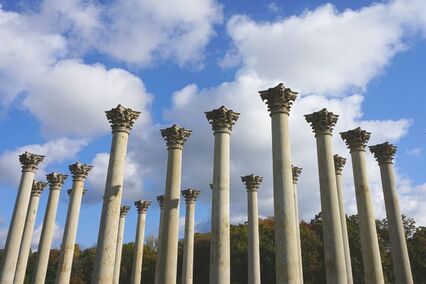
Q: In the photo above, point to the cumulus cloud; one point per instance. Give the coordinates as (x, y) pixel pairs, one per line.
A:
(55, 151)
(325, 50)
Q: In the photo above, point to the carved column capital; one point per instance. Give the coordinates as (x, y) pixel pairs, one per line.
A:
(30, 162)
(160, 200)
(356, 139)
(252, 182)
(211, 186)
(142, 206)
(222, 119)
(384, 153)
(121, 118)
(296, 173)
(175, 136)
(322, 122)
(339, 163)
(69, 191)
(123, 211)
(79, 171)
(190, 195)
(278, 99)
(38, 187)
(56, 180)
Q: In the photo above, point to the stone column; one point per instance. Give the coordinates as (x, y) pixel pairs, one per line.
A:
(356, 140)
(339, 163)
(122, 120)
(222, 120)
(160, 200)
(24, 251)
(384, 154)
(322, 123)
(119, 248)
(296, 173)
(79, 174)
(252, 183)
(175, 138)
(188, 244)
(56, 181)
(279, 100)
(29, 163)
(142, 206)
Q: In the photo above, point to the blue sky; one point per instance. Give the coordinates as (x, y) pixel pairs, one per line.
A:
(62, 65)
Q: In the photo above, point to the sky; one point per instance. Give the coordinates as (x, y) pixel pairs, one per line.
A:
(63, 63)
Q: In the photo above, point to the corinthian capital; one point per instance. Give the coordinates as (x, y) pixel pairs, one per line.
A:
(30, 162)
(383, 153)
(252, 182)
(339, 163)
(79, 171)
(278, 99)
(142, 206)
(296, 173)
(121, 118)
(56, 180)
(175, 136)
(356, 139)
(123, 211)
(160, 200)
(38, 187)
(190, 195)
(322, 122)
(222, 119)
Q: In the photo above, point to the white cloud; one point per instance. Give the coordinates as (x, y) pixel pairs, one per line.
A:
(58, 150)
(415, 152)
(324, 50)
(71, 98)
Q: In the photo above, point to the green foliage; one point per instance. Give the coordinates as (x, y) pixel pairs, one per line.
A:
(312, 254)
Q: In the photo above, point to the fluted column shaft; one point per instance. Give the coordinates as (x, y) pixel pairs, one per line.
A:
(401, 261)
(175, 137)
(160, 200)
(139, 242)
(279, 100)
(252, 183)
(296, 172)
(79, 172)
(24, 251)
(119, 247)
(339, 162)
(188, 245)
(56, 181)
(373, 273)
(14, 236)
(322, 123)
(122, 120)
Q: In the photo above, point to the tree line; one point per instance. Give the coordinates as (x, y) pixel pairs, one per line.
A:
(312, 254)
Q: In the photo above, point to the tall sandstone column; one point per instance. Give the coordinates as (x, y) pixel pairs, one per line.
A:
(279, 100)
(119, 248)
(175, 138)
(24, 251)
(296, 173)
(142, 206)
(339, 163)
(56, 181)
(384, 154)
(222, 120)
(322, 122)
(29, 163)
(356, 140)
(190, 196)
(79, 174)
(252, 183)
(160, 200)
(121, 120)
